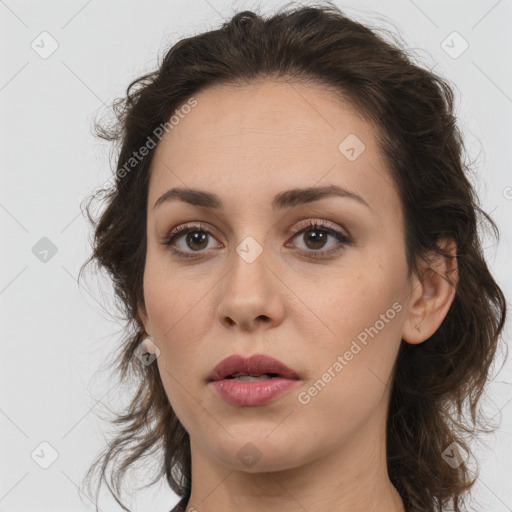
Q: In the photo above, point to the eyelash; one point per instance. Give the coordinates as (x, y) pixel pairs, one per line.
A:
(318, 225)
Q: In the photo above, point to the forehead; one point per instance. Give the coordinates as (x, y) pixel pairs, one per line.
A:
(258, 139)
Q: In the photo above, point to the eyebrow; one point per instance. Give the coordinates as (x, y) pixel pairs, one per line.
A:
(282, 200)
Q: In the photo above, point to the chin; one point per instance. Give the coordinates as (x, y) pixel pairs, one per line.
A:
(257, 454)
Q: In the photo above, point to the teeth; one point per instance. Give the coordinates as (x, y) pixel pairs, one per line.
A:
(251, 378)
(251, 374)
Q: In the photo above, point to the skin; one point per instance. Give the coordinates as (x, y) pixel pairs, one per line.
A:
(246, 144)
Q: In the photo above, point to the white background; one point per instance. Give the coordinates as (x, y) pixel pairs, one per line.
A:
(58, 338)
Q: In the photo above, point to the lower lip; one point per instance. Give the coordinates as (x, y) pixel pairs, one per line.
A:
(253, 393)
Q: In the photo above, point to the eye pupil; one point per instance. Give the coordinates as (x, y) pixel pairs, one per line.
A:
(318, 238)
(197, 236)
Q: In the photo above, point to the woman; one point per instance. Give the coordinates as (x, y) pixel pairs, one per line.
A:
(294, 238)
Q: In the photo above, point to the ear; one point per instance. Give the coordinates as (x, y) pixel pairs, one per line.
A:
(143, 318)
(432, 294)
(149, 345)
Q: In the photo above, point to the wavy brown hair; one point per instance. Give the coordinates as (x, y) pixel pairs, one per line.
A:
(437, 384)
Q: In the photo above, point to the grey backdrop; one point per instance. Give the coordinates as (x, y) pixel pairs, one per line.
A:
(61, 62)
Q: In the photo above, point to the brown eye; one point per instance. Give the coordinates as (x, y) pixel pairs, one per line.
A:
(196, 240)
(316, 236)
(188, 239)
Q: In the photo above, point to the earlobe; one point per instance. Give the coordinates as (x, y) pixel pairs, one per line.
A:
(150, 346)
(433, 295)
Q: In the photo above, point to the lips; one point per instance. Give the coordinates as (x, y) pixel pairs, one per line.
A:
(253, 365)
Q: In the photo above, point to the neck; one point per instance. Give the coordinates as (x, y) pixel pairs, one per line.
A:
(352, 478)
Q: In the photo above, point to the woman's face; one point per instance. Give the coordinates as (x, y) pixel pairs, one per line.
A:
(331, 302)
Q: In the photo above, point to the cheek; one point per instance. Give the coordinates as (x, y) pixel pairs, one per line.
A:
(353, 336)
(180, 316)
(178, 326)
(351, 371)
(340, 309)
(170, 298)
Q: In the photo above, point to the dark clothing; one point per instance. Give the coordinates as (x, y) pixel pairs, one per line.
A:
(181, 505)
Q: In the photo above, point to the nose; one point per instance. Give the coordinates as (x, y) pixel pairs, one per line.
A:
(251, 295)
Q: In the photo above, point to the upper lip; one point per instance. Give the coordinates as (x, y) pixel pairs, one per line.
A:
(256, 363)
